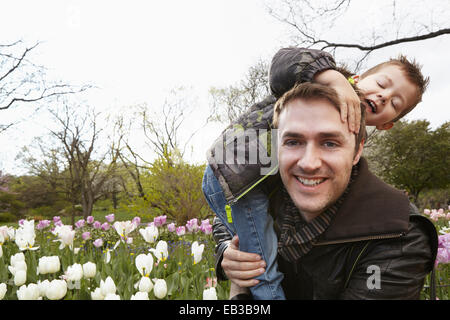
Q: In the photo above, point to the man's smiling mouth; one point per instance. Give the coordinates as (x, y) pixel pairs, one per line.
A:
(310, 182)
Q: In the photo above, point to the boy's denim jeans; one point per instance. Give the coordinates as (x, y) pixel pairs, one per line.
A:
(254, 227)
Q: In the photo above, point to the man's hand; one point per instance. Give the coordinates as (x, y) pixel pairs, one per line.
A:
(350, 103)
(241, 267)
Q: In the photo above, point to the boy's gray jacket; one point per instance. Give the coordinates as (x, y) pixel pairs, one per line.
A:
(242, 155)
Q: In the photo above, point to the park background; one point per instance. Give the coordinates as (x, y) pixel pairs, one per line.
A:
(110, 106)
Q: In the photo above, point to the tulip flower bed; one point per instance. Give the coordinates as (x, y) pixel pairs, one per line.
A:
(114, 260)
(441, 219)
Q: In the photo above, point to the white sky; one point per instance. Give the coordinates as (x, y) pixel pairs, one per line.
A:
(136, 51)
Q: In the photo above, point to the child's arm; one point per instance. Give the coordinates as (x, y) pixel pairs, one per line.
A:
(350, 106)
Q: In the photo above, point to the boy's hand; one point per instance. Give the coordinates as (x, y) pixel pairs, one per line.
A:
(241, 267)
(350, 103)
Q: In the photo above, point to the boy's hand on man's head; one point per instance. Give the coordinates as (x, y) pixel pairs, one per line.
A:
(350, 103)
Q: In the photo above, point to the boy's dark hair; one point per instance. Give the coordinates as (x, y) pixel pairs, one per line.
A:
(413, 73)
(307, 91)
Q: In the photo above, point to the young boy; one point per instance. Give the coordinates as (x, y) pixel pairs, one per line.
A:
(233, 188)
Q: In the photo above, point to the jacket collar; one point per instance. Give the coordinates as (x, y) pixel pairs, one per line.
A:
(371, 208)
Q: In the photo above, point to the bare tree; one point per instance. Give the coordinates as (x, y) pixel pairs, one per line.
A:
(230, 102)
(24, 82)
(88, 168)
(361, 26)
(163, 131)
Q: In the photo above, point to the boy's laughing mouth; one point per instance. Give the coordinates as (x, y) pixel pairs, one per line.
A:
(372, 105)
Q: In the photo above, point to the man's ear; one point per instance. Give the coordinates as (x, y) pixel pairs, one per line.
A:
(358, 153)
(385, 126)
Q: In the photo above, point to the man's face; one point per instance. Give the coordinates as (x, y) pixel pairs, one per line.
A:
(387, 93)
(316, 152)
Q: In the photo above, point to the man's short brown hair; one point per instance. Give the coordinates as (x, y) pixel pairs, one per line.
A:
(309, 91)
(412, 70)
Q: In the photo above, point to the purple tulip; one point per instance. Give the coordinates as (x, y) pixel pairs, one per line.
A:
(43, 224)
(105, 226)
(80, 223)
(206, 227)
(160, 221)
(171, 227)
(97, 225)
(86, 235)
(56, 219)
(136, 221)
(110, 217)
(90, 219)
(98, 242)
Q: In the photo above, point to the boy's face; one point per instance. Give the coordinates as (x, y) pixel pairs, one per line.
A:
(387, 93)
(316, 152)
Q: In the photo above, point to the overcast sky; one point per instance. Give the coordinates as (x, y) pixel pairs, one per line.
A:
(136, 51)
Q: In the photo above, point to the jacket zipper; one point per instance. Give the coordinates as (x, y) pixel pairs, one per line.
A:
(236, 199)
(378, 237)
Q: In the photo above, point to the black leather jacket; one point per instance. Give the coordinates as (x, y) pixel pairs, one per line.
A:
(389, 236)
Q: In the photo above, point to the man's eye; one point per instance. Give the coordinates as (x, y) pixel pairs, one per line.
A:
(291, 143)
(330, 144)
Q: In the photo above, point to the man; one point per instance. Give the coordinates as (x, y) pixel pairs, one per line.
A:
(343, 233)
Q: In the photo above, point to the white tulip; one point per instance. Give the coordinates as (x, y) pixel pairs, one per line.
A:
(161, 251)
(107, 286)
(145, 285)
(20, 277)
(43, 285)
(30, 292)
(97, 294)
(74, 272)
(160, 288)
(197, 251)
(48, 264)
(16, 266)
(65, 236)
(56, 289)
(144, 263)
(17, 257)
(140, 296)
(2, 290)
(89, 269)
(123, 228)
(210, 294)
(150, 234)
(112, 296)
(25, 237)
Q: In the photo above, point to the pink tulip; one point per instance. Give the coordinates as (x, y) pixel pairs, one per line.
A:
(56, 219)
(86, 235)
(110, 217)
(159, 221)
(427, 212)
(97, 225)
(181, 231)
(90, 219)
(98, 242)
(171, 227)
(192, 225)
